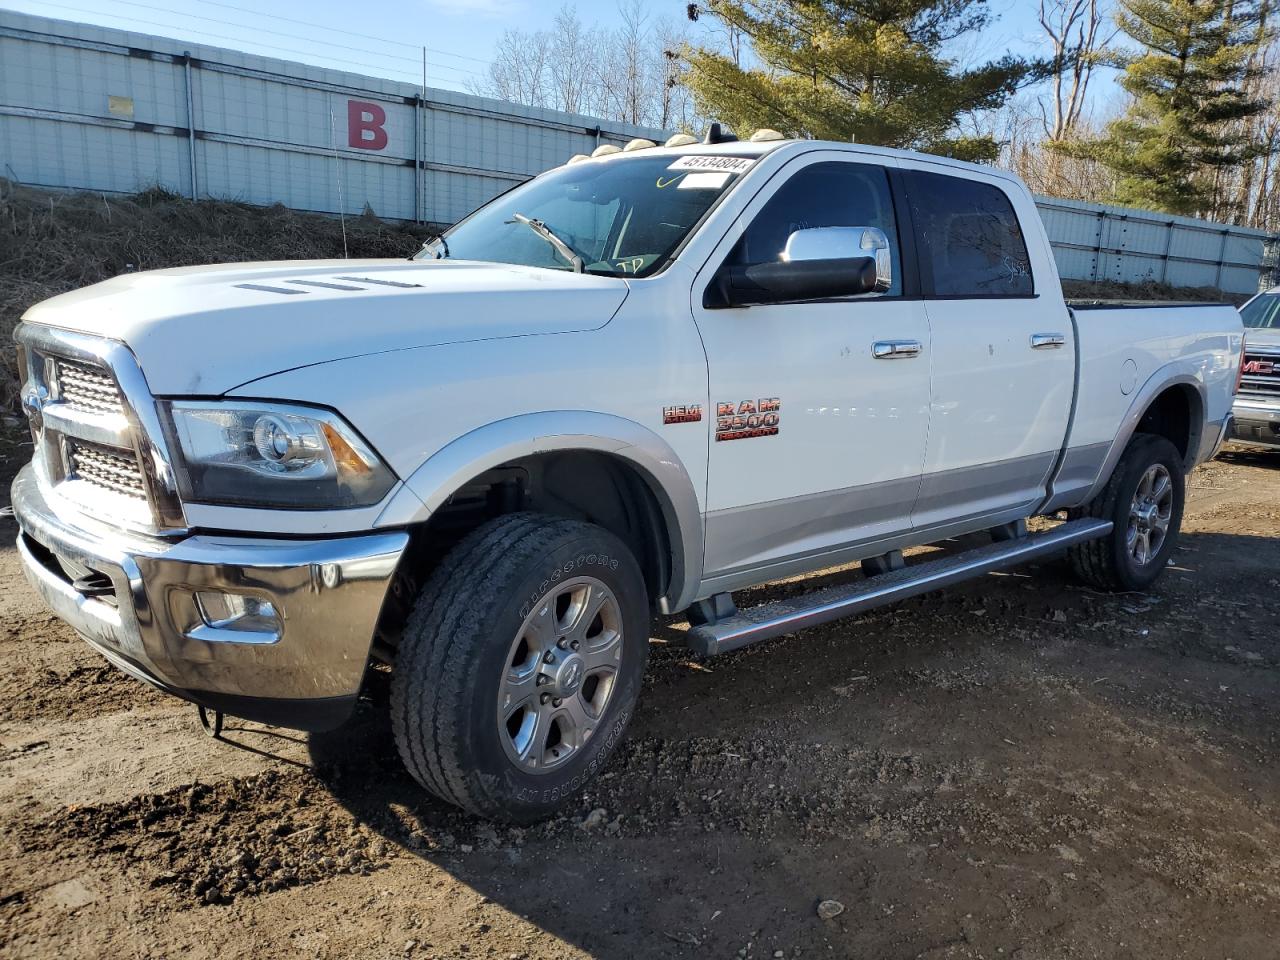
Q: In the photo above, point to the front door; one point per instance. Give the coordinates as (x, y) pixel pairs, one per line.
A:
(820, 409)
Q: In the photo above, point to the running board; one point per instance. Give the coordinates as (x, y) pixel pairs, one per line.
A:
(822, 606)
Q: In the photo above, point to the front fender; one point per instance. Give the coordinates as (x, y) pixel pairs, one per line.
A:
(429, 487)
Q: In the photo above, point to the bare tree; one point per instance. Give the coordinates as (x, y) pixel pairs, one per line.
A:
(675, 103)
(1075, 30)
(625, 67)
(630, 73)
(725, 36)
(1250, 195)
(574, 51)
(1019, 129)
(518, 71)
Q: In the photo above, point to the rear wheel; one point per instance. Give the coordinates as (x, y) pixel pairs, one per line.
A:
(1144, 501)
(521, 665)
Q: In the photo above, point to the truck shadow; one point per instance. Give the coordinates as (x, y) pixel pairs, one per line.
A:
(867, 762)
(1241, 456)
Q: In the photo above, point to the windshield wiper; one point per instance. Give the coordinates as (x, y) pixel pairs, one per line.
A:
(443, 248)
(546, 233)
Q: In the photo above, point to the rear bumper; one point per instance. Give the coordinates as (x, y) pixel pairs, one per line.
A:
(1256, 421)
(328, 594)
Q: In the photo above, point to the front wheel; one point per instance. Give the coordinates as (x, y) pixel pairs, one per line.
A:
(521, 665)
(1144, 500)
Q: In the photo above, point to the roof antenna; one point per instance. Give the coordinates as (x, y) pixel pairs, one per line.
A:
(716, 135)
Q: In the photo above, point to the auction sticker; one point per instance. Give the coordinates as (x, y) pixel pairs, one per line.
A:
(712, 164)
(705, 181)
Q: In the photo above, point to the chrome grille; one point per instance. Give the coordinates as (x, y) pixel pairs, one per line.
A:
(83, 386)
(1261, 375)
(114, 470)
(101, 446)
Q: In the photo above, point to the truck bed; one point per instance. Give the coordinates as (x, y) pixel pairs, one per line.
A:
(1127, 354)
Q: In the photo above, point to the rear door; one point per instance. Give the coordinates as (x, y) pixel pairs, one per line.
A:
(815, 443)
(1003, 350)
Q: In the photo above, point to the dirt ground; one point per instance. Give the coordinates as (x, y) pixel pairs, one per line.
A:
(1020, 768)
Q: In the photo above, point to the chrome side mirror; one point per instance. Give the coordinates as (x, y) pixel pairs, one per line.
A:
(840, 243)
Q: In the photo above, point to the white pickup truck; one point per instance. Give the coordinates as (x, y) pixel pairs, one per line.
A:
(636, 383)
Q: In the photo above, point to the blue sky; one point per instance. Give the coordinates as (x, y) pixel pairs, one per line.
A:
(385, 38)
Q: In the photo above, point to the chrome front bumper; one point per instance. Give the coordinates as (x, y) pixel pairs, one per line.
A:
(1256, 421)
(328, 594)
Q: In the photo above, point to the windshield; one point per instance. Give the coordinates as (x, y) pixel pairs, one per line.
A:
(1262, 311)
(622, 216)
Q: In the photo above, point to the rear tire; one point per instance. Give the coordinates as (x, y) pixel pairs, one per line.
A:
(520, 666)
(1144, 501)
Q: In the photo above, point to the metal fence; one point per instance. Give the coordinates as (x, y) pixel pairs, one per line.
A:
(1118, 244)
(92, 108)
(1270, 275)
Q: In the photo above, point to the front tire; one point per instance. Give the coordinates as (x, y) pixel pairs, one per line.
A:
(520, 666)
(1144, 500)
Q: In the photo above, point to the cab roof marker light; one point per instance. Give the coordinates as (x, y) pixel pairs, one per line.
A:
(765, 134)
(605, 149)
(577, 158)
(680, 140)
(638, 144)
(717, 134)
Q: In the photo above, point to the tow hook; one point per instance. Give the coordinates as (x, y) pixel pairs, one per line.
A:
(212, 728)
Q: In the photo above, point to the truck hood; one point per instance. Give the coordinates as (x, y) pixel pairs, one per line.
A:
(206, 330)
(1262, 338)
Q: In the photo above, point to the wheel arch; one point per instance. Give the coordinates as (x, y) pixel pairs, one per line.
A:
(637, 453)
(1171, 404)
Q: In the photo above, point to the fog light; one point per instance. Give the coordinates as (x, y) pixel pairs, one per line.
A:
(233, 611)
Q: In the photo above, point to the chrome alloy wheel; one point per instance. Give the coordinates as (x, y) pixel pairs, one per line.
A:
(1149, 514)
(560, 673)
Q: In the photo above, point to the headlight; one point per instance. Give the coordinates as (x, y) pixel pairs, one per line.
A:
(272, 455)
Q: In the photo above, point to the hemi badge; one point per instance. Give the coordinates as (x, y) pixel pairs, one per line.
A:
(684, 413)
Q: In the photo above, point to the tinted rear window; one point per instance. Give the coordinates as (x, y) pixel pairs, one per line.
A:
(969, 237)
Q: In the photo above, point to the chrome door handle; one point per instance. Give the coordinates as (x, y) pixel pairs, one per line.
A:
(895, 349)
(1047, 341)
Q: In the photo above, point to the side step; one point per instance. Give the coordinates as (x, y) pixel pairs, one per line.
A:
(822, 606)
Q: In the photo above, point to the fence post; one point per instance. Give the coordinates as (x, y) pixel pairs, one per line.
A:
(417, 159)
(191, 124)
(1222, 255)
(1168, 249)
(1097, 255)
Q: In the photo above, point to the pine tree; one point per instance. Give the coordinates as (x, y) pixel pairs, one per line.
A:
(868, 70)
(1181, 130)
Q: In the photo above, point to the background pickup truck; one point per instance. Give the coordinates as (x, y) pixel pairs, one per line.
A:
(1257, 408)
(639, 382)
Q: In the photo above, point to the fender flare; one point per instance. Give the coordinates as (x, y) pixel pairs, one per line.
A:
(1173, 374)
(429, 487)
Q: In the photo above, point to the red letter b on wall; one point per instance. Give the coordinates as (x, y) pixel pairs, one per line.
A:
(364, 125)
